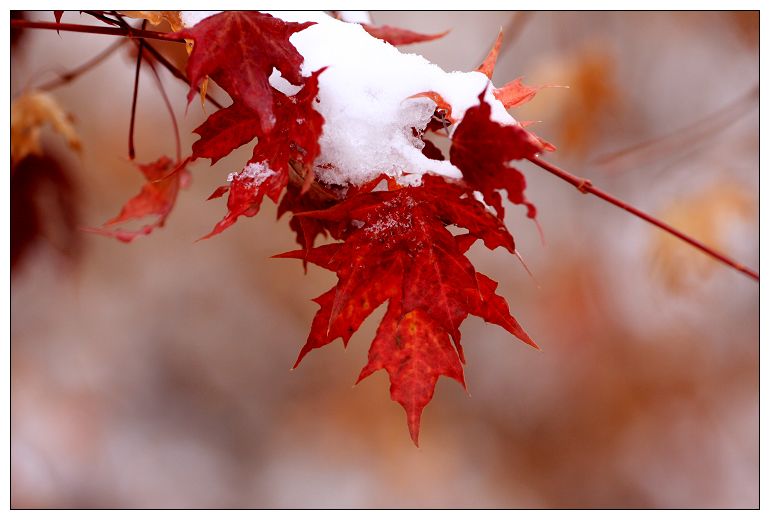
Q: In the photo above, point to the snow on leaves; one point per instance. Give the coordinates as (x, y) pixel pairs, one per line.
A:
(396, 248)
(292, 143)
(393, 243)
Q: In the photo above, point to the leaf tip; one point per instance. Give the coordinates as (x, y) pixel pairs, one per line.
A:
(413, 422)
(487, 67)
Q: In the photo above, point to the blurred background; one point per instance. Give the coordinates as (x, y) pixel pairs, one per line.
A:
(156, 374)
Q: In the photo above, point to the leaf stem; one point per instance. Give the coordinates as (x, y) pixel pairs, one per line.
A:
(167, 64)
(170, 108)
(127, 31)
(139, 54)
(585, 186)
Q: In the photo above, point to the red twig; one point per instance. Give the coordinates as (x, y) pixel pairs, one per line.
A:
(73, 74)
(585, 186)
(163, 61)
(170, 109)
(95, 29)
(119, 31)
(139, 54)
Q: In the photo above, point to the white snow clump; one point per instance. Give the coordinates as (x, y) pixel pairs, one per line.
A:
(366, 99)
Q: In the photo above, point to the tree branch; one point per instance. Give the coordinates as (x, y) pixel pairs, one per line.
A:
(163, 61)
(131, 151)
(126, 31)
(73, 74)
(585, 186)
(95, 29)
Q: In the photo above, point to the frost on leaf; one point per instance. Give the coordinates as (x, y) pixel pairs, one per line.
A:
(291, 143)
(396, 248)
(246, 194)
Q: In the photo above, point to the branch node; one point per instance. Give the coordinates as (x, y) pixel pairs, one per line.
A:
(584, 186)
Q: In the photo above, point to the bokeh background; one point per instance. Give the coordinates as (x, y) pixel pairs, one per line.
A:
(156, 374)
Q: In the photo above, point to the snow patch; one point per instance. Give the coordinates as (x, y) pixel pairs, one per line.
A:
(255, 173)
(366, 99)
(191, 18)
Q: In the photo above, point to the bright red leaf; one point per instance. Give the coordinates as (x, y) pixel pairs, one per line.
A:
(396, 247)
(291, 143)
(487, 67)
(238, 50)
(482, 149)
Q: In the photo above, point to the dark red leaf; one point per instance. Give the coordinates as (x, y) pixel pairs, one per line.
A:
(238, 50)
(294, 140)
(431, 151)
(396, 247)
(224, 131)
(482, 148)
(221, 190)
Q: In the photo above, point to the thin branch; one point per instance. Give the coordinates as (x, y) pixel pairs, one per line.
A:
(585, 186)
(167, 64)
(73, 74)
(139, 54)
(95, 29)
(176, 72)
(120, 31)
(170, 110)
(698, 130)
(99, 15)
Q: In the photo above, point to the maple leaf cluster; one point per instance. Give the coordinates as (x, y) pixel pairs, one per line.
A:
(393, 243)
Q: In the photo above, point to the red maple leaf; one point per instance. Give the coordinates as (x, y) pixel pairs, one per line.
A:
(238, 50)
(487, 67)
(397, 36)
(156, 198)
(291, 143)
(515, 93)
(396, 247)
(482, 149)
